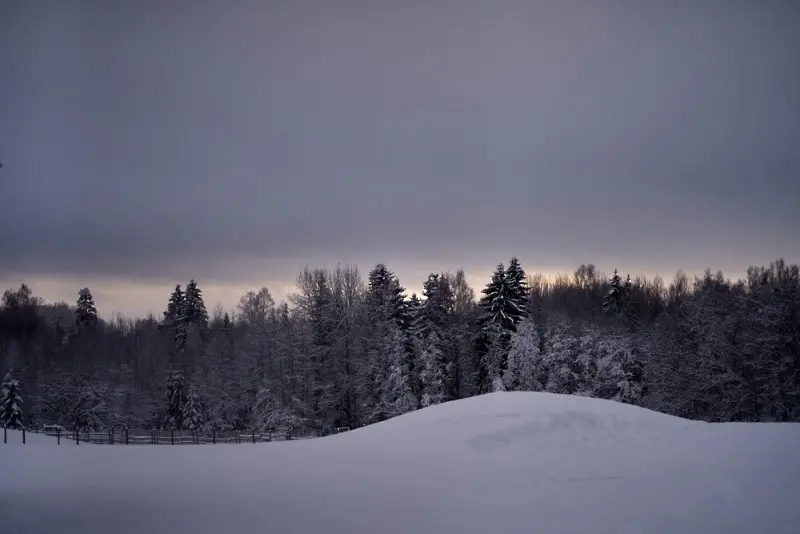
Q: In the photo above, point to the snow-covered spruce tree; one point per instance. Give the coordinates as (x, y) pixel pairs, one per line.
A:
(175, 398)
(181, 335)
(86, 311)
(518, 291)
(523, 357)
(194, 308)
(194, 325)
(499, 316)
(438, 304)
(193, 418)
(612, 302)
(634, 297)
(175, 320)
(11, 403)
(385, 295)
(495, 303)
(387, 350)
(174, 311)
(492, 322)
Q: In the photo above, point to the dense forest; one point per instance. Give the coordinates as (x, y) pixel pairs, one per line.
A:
(347, 351)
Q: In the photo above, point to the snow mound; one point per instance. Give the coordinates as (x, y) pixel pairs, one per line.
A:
(505, 462)
(523, 419)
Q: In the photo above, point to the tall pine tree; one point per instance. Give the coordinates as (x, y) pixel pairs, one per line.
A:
(518, 292)
(174, 311)
(192, 416)
(612, 302)
(389, 356)
(175, 398)
(11, 403)
(496, 305)
(503, 306)
(386, 296)
(86, 311)
(194, 309)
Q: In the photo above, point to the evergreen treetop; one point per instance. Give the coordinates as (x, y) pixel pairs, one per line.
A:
(86, 311)
(518, 291)
(496, 304)
(174, 310)
(433, 312)
(194, 308)
(612, 302)
(386, 295)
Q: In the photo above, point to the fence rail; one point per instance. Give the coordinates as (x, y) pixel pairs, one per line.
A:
(124, 436)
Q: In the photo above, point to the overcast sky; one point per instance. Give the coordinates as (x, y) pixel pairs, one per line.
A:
(148, 142)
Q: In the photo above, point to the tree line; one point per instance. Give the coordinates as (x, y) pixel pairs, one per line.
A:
(346, 351)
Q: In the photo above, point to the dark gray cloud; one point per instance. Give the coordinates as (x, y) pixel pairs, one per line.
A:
(155, 140)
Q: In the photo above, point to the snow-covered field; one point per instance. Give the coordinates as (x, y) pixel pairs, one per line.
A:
(505, 462)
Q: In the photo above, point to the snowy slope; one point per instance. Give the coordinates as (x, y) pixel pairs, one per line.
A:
(505, 462)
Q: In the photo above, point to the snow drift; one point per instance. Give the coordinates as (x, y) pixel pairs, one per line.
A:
(505, 462)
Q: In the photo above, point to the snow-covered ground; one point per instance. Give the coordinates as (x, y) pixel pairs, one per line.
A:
(505, 463)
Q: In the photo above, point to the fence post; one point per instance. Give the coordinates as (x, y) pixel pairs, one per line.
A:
(5, 434)
(214, 436)
(126, 435)
(58, 437)
(172, 436)
(23, 435)
(110, 436)
(77, 437)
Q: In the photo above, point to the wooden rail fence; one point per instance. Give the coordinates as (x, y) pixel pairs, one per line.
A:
(124, 436)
